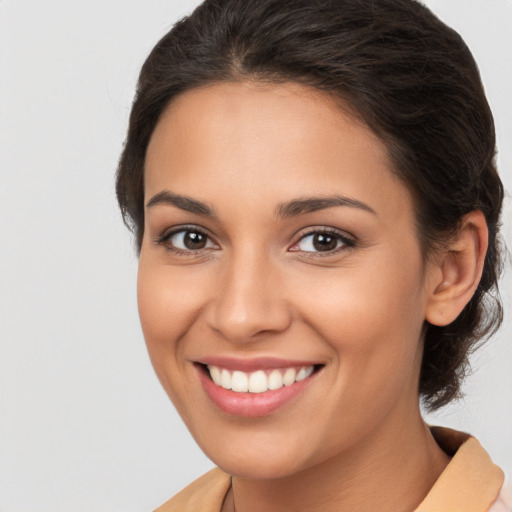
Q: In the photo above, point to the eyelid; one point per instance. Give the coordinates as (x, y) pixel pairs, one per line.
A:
(168, 233)
(348, 240)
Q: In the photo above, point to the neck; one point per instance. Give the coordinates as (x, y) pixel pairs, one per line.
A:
(393, 471)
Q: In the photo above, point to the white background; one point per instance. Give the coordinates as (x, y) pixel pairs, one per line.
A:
(84, 425)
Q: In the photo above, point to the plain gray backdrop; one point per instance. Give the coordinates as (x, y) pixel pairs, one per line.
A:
(84, 424)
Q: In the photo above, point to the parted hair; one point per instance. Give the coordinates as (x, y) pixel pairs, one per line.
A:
(395, 66)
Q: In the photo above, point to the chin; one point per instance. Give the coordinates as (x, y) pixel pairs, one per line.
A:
(258, 468)
(266, 459)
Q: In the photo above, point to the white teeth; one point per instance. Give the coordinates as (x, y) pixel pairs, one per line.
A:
(304, 373)
(240, 382)
(216, 375)
(275, 380)
(258, 381)
(225, 380)
(289, 376)
(301, 375)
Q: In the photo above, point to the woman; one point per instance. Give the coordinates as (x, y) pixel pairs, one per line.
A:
(312, 188)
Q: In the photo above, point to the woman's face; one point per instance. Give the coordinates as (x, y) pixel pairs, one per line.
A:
(279, 256)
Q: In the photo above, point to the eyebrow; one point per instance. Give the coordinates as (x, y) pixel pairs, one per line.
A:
(285, 210)
(182, 202)
(313, 204)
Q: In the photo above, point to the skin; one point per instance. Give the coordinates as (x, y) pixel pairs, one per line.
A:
(354, 438)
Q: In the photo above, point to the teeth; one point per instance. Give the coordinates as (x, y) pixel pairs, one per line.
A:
(275, 380)
(289, 376)
(240, 382)
(225, 379)
(259, 381)
(304, 373)
(216, 375)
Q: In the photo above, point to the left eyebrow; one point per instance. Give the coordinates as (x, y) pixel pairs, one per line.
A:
(313, 204)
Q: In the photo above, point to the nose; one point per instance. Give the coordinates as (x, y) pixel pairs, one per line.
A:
(249, 301)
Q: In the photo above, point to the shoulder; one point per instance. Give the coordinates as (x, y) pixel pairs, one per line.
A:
(206, 494)
(504, 501)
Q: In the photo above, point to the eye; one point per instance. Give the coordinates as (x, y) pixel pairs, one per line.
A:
(186, 240)
(322, 241)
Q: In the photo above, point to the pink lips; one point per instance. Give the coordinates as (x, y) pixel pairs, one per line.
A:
(251, 405)
(256, 363)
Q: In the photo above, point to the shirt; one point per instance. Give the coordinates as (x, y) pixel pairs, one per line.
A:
(471, 482)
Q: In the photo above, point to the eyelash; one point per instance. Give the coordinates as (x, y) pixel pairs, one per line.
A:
(347, 242)
(165, 237)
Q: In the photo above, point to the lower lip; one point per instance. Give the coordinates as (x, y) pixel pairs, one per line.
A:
(251, 405)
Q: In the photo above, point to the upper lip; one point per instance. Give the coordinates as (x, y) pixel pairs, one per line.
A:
(255, 363)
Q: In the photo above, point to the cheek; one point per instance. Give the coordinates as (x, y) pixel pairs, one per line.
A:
(356, 302)
(167, 309)
(371, 316)
(373, 329)
(168, 300)
(157, 308)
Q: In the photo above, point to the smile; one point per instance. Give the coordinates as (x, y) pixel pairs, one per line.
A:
(254, 388)
(259, 381)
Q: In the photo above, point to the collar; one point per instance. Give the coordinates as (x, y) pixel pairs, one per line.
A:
(470, 482)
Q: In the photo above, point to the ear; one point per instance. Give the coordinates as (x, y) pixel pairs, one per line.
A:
(458, 270)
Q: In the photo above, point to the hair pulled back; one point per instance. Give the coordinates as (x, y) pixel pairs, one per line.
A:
(396, 66)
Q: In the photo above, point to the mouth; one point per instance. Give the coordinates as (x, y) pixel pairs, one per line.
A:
(259, 381)
(253, 392)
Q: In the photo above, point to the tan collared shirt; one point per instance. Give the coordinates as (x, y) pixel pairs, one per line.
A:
(470, 482)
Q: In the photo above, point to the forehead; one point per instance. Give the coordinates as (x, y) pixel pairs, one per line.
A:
(242, 140)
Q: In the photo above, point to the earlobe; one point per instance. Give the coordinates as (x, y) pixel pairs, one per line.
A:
(459, 269)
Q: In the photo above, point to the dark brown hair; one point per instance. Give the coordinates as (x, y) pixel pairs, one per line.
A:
(407, 75)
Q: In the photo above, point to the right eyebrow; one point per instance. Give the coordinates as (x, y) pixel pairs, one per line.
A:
(182, 202)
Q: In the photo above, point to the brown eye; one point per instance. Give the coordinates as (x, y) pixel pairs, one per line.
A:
(193, 240)
(188, 240)
(323, 242)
